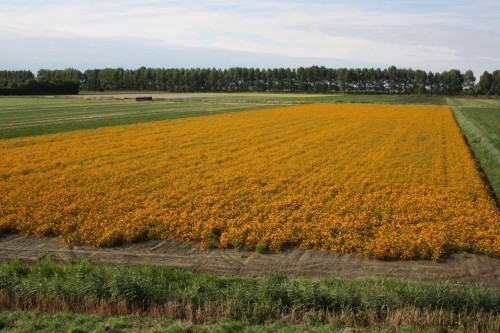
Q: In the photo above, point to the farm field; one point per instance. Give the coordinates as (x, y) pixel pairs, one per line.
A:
(36, 116)
(280, 98)
(342, 178)
(25, 116)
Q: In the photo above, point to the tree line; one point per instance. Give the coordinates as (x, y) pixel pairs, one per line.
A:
(24, 83)
(11, 79)
(314, 79)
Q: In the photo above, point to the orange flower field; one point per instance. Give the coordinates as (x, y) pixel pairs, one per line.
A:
(382, 181)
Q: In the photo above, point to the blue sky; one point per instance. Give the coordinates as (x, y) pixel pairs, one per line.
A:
(430, 35)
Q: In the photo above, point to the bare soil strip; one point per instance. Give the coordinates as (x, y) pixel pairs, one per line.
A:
(460, 269)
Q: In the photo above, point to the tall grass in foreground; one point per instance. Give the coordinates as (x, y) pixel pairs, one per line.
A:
(85, 287)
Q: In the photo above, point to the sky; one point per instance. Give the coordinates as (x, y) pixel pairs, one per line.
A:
(433, 35)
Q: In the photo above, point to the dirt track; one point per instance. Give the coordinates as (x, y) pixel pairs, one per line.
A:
(459, 269)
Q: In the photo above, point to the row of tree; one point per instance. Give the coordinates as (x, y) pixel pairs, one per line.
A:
(23, 82)
(37, 87)
(313, 79)
(10, 79)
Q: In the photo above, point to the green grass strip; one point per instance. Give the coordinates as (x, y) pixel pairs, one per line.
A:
(21, 321)
(481, 127)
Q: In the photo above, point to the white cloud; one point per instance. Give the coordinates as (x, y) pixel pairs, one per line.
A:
(414, 34)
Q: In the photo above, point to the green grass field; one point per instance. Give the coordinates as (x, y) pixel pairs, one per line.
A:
(37, 116)
(479, 120)
(488, 121)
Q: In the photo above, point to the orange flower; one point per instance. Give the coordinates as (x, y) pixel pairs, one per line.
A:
(381, 181)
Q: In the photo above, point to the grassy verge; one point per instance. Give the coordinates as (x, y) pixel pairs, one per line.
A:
(480, 123)
(18, 321)
(204, 299)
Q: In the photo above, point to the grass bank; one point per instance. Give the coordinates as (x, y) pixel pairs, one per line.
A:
(203, 299)
(480, 122)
